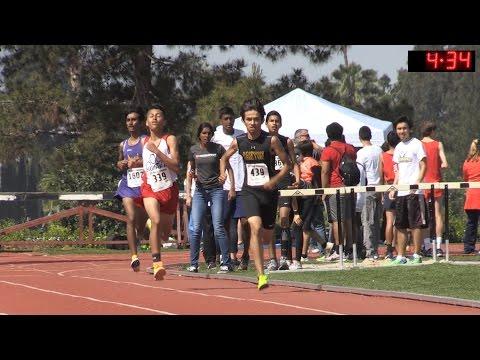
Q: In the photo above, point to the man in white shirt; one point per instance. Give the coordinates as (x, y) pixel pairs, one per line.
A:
(233, 210)
(409, 161)
(370, 158)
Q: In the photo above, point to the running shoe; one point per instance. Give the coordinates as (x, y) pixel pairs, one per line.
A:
(389, 255)
(135, 263)
(304, 259)
(333, 257)
(296, 265)
(415, 260)
(439, 252)
(397, 261)
(243, 265)
(193, 269)
(283, 264)
(272, 265)
(211, 266)
(158, 270)
(224, 269)
(262, 282)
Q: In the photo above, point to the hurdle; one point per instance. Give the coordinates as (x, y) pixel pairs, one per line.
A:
(446, 186)
(85, 198)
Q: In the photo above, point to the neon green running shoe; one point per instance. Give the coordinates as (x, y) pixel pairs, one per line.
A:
(262, 282)
(415, 260)
(396, 262)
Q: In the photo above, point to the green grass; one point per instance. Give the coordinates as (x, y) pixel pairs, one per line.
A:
(465, 258)
(459, 281)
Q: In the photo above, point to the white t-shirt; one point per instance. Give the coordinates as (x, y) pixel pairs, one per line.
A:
(408, 155)
(370, 157)
(361, 197)
(236, 161)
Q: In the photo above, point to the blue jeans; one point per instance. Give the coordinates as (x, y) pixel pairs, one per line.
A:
(471, 230)
(199, 207)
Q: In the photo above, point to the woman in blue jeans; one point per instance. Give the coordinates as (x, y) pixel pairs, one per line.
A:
(204, 162)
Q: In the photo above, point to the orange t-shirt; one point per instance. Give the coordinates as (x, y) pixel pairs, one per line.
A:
(471, 172)
(388, 172)
(432, 150)
(306, 166)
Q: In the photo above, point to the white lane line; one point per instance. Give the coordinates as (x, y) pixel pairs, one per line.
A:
(66, 271)
(88, 298)
(210, 295)
(3, 314)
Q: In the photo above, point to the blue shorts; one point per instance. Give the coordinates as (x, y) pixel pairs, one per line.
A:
(124, 191)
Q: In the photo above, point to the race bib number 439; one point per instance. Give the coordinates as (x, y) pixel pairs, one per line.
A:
(134, 177)
(159, 179)
(257, 174)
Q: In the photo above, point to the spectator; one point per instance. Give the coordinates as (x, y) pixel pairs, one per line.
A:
(471, 172)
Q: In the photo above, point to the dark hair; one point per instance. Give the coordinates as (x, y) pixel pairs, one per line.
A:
(138, 110)
(402, 119)
(226, 110)
(157, 107)
(385, 146)
(305, 147)
(273, 113)
(393, 139)
(365, 133)
(203, 126)
(252, 104)
(427, 128)
(335, 131)
(328, 142)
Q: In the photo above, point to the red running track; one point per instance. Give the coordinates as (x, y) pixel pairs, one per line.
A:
(105, 284)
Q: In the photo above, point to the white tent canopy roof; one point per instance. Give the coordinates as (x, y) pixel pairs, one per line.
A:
(302, 110)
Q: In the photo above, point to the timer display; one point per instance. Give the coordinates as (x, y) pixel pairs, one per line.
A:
(441, 61)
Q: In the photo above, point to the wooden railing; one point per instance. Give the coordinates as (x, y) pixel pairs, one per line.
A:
(81, 212)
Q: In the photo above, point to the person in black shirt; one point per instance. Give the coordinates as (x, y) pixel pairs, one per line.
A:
(274, 123)
(258, 193)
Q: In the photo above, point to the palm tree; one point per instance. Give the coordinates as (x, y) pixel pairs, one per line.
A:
(349, 83)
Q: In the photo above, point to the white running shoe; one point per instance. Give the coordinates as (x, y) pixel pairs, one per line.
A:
(296, 265)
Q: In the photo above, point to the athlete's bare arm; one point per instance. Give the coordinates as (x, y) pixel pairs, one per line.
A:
(121, 163)
(444, 164)
(277, 148)
(225, 160)
(296, 168)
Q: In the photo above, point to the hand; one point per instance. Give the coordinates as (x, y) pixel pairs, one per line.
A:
(191, 174)
(231, 195)
(122, 164)
(131, 162)
(295, 185)
(222, 178)
(297, 220)
(269, 186)
(443, 166)
(150, 145)
(391, 195)
(188, 201)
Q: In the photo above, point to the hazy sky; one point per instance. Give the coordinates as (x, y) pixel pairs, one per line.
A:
(385, 59)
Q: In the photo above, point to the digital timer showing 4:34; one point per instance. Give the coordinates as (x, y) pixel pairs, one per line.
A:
(441, 61)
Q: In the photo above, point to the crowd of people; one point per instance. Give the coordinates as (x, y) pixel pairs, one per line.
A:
(232, 190)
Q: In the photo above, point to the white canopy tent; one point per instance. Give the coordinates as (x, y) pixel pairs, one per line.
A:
(302, 110)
